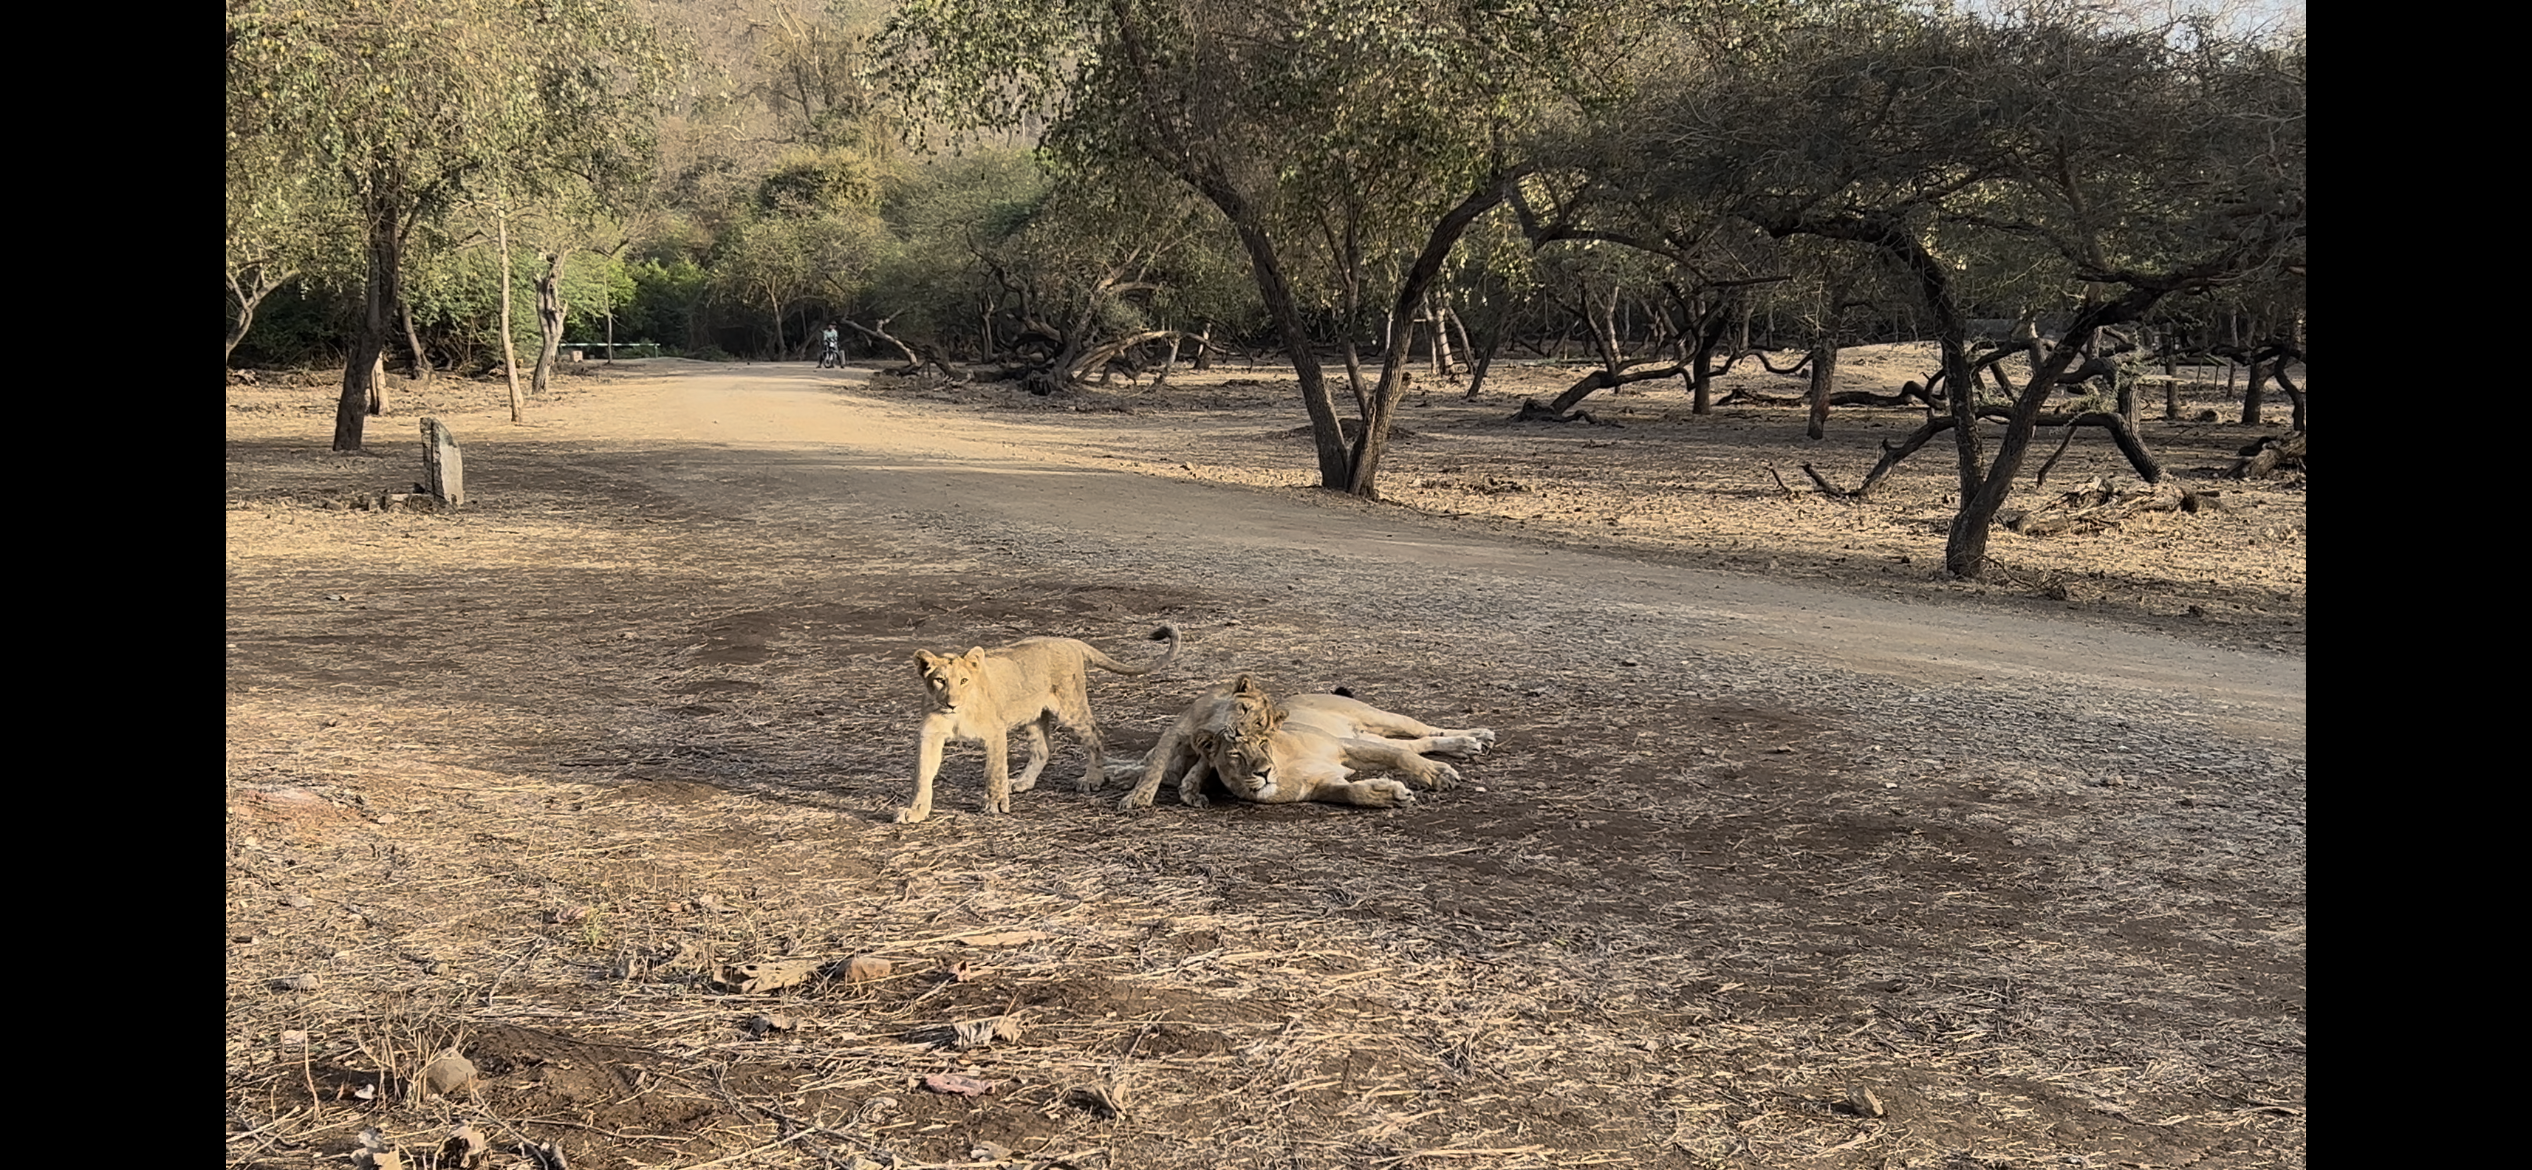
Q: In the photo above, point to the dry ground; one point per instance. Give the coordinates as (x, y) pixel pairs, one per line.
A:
(1791, 853)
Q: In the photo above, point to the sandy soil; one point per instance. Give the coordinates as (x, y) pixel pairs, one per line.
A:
(1791, 851)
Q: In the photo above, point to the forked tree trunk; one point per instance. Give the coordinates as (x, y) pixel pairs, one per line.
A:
(1363, 470)
(247, 296)
(549, 319)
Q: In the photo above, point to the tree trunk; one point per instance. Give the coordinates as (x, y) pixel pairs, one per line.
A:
(2294, 393)
(1326, 435)
(549, 319)
(1466, 351)
(382, 289)
(1823, 381)
(413, 342)
(1701, 359)
(509, 348)
(1485, 351)
(2255, 387)
(1441, 339)
(1374, 441)
(1354, 378)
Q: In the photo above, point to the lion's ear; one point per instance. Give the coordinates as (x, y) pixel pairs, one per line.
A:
(1246, 686)
(926, 660)
(1274, 716)
(1205, 742)
(975, 656)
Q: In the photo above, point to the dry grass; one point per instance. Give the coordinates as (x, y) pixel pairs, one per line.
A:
(523, 781)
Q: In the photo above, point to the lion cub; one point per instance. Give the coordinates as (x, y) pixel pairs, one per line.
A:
(983, 695)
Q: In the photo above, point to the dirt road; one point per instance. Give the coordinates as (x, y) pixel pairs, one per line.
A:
(1761, 872)
(978, 482)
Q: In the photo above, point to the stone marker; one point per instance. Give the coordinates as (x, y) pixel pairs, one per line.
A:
(443, 469)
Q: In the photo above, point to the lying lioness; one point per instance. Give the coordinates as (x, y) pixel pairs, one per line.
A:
(1300, 749)
(983, 695)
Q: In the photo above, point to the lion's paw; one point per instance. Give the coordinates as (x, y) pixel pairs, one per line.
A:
(1133, 802)
(1438, 777)
(1388, 794)
(1195, 800)
(908, 816)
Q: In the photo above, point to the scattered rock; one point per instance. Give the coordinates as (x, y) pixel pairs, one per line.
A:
(445, 1074)
(759, 1025)
(955, 1084)
(773, 974)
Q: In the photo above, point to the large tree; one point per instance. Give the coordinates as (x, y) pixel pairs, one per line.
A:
(1375, 131)
(407, 103)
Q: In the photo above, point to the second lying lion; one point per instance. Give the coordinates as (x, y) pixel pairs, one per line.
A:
(1302, 748)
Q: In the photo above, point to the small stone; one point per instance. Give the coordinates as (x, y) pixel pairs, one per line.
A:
(447, 1073)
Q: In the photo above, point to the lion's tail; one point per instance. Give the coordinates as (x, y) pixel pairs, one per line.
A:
(1168, 632)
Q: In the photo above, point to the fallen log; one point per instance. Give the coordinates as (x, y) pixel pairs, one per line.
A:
(2269, 456)
(2101, 505)
(1534, 411)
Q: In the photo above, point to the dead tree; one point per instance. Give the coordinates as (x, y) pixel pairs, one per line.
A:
(918, 355)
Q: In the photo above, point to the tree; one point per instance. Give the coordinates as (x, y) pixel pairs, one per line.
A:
(2138, 161)
(1380, 128)
(282, 223)
(406, 103)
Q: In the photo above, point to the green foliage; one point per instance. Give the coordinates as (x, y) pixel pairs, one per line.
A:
(301, 324)
(455, 299)
(663, 303)
(412, 99)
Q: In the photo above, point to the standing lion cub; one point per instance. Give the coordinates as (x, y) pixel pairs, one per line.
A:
(983, 695)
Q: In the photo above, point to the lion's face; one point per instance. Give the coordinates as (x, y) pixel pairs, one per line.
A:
(1239, 742)
(949, 678)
